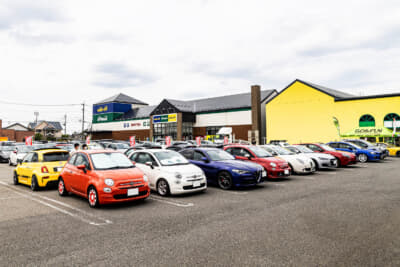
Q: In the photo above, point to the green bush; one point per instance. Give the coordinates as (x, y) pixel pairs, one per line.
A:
(38, 137)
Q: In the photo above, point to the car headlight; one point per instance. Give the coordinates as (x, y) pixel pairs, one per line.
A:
(109, 182)
(301, 161)
(374, 153)
(322, 158)
(145, 178)
(272, 164)
(240, 171)
(178, 175)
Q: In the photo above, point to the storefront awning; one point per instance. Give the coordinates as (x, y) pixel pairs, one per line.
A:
(370, 132)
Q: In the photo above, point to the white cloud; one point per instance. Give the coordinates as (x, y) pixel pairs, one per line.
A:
(74, 51)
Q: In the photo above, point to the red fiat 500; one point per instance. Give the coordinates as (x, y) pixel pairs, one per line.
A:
(276, 168)
(102, 177)
(344, 158)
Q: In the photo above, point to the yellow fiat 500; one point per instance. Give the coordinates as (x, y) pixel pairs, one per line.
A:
(40, 167)
(394, 151)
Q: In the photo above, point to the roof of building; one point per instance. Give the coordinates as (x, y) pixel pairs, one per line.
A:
(142, 112)
(121, 98)
(332, 92)
(16, 124)
(51, 124)
(218, 103)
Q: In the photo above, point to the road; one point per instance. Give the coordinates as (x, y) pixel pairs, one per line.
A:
(348, 217)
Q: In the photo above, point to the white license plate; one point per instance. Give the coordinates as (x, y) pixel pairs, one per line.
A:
(286, 172)
(196, 184)
(133, 192)
(264, 173)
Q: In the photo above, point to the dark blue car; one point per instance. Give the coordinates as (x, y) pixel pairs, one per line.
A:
(363, 155)
(223, 169)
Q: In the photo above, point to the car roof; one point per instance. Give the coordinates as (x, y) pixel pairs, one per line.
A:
(97, 151)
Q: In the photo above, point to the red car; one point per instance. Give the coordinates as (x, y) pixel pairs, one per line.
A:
(102, 177)
(276, 168)
(344, 158)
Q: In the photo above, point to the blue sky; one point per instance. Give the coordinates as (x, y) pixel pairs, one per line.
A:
(67, 51)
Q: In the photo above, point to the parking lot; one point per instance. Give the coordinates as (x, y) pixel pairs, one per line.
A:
(348, 216)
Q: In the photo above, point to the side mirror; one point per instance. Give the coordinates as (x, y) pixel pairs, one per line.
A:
(82, 167)
(150, 164)
(133, 162)
(205, 159)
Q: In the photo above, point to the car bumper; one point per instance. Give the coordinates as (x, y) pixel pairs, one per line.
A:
(278, 173)
(374, 157)
(120, 195)
(347, 161)
(188, 187)
(332, 163)
(247, 180)
(47, 179)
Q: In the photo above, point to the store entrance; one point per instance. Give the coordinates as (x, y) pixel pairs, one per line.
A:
(161, 130)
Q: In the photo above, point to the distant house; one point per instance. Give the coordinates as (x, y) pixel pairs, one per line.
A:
(17, 127)
(47, 128)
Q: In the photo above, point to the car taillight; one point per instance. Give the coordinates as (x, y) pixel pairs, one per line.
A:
(45, 170)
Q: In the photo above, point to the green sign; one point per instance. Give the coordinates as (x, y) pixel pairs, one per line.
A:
(107, 117)
(369, 132)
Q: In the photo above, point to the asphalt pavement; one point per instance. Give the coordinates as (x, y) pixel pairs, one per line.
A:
(347, 217)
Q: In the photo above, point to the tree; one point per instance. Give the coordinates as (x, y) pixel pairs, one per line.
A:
(38, 136)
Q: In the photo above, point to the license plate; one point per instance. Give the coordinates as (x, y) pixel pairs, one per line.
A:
(196, 184)
(286, 172)
(264, 173)
(133, 192)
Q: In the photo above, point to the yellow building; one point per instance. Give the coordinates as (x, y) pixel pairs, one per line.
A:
(306, 112)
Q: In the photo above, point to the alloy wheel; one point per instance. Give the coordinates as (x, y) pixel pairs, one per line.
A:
(225, 180)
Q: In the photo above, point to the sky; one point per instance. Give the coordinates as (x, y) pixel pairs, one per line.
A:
(66, 52)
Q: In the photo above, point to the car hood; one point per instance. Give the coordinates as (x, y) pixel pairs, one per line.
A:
(291, 158)
(243, 165)
(272, 159)
(120, 174)
(185, 170)
(318, 155)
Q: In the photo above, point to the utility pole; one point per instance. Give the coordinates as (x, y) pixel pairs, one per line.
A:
(65, 124)
(36, 116)
(83, 118)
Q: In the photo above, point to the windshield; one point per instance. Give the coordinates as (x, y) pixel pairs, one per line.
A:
(55, 156)
(108, 161)
(326, 147)
(170, 158)
(259, 152)
(7, 148)
(218, 155)
(304, 149)
(24, 149)
(121, 146)
(294, 149)
(282, 151)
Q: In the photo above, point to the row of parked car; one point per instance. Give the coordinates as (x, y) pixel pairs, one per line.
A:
(116, 174)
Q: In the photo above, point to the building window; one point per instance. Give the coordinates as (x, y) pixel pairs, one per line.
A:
(212, 130)
(367, 121)
(187, 130)
(391, 119)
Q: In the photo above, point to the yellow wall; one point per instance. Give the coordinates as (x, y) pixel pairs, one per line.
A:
(303, 114)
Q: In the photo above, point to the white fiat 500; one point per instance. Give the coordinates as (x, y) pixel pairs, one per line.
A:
(321, 160)
(299, 163)
(169, 172)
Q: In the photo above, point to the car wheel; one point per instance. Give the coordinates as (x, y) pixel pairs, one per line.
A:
(163, 188)
(316, 164)
(292, 170)
(61, 188)
(362, 158)
(93, 197)
(15, 179)
(34, 183)
(225, 180)
(398, 154)
(338, 164)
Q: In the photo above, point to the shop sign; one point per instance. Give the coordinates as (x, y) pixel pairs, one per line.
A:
(166, 118)
(111, 107)
(375, 131)
(28, 140)
(142, 124)
(138, 124)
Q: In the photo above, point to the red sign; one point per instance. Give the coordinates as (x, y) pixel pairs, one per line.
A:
(28, 140)
(198, 141)
(226, 140)
(168, 141)
(88, 140)
(132, 140)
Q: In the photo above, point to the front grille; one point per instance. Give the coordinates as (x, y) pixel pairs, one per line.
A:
(125, 196)
(129, 187)
(188, 187)
(284, 166)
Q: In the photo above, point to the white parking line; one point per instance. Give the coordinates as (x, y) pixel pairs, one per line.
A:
(278, 184)
(34, 197)
(174, 203)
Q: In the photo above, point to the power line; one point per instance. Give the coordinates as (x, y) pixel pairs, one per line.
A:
(37, 105)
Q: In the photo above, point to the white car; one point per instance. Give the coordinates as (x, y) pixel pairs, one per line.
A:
(169, 172)
(18, 154)
(299, 163)
(321, 160)
(121, 147)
